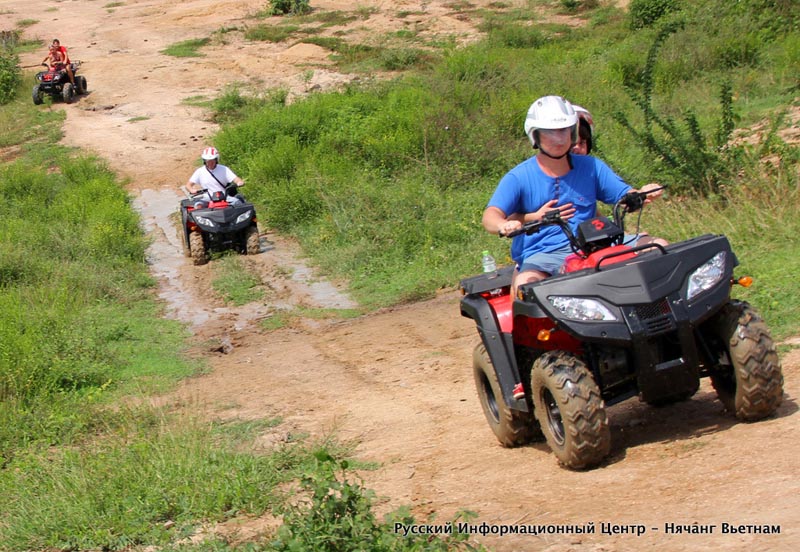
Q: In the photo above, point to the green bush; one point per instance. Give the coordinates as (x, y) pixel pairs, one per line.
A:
(337, 515)
(10, 75)
(293, 7)
(644, 13)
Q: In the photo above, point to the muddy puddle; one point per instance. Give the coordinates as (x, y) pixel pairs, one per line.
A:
(278, 265)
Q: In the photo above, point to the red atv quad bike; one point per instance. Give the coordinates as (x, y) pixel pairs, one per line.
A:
(55, 83)
(621, 321)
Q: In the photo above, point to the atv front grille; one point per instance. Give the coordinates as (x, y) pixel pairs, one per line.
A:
(656, 317)
(653, 310)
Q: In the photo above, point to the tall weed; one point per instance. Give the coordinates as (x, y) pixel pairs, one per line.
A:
(336, 514)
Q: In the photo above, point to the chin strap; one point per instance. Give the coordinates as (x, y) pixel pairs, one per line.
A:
(569, 157)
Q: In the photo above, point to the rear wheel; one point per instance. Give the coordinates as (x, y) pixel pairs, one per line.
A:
(197, 249)
(570, 410)
(511, 427)
(748, 378)
(251, 241)
(37, 95)
(82, 87)
(68, 92)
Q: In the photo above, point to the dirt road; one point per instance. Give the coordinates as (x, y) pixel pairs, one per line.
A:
(396, 382)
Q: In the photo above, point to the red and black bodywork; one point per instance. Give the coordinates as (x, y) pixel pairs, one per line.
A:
(56, 84)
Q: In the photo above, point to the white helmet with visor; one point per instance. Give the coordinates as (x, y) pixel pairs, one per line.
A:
(550, 113)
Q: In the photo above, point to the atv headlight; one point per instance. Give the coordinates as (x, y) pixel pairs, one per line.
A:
(205, 221)
(578, 308)
(706, 276)
(244, 216)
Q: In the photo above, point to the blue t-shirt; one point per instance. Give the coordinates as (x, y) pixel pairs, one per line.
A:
(526, 188)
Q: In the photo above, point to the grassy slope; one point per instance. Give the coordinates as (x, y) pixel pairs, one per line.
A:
(385, 184)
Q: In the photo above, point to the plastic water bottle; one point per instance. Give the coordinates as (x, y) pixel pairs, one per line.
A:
(489, 265)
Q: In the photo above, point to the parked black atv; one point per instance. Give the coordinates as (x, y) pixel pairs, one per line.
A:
(646, 321)
(218, 225)
(57, 85)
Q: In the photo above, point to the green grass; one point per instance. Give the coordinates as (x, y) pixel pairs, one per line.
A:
(198, 101)
(271, 33)
(144, 485)
(234, 283)
(186, 48)
(287, 318)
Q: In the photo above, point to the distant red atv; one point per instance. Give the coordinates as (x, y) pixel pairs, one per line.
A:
(57, 85)
(622, 321)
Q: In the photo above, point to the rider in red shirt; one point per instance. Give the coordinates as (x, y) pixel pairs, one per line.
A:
(67, 65)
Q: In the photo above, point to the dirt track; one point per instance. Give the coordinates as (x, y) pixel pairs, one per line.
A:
(397, 382)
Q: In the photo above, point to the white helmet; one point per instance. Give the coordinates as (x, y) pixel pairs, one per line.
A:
(210, 153)
(550, 113)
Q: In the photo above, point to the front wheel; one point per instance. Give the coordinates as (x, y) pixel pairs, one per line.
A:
(511, 427)
(570, 410)
(748, 378)
(197, 249)
(68, 92)
(37, 95)
(251, 241)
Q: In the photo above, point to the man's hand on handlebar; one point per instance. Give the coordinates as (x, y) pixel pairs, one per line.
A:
(636, 199)
(548, 212)
(509, 226)
(652, 191)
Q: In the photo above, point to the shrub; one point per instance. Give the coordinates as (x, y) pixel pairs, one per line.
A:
(10, 76)
(685, 151)
(517, 36)
(337, 515)
(643, 13)
(293, 7)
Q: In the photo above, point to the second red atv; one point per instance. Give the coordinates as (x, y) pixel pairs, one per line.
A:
(56, 84)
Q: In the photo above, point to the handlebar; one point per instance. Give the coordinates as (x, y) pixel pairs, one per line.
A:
(629, 203)
(230, 189)
(550, 218)
(633, 201)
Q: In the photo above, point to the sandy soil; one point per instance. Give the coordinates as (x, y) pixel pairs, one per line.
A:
(397, 382)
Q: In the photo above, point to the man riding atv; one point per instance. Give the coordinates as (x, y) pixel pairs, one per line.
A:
(58, 59)
(590, 316)
(215, 217)
(552, 179)
(213, 177)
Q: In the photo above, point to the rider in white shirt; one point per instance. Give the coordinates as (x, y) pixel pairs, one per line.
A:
(213, 177)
